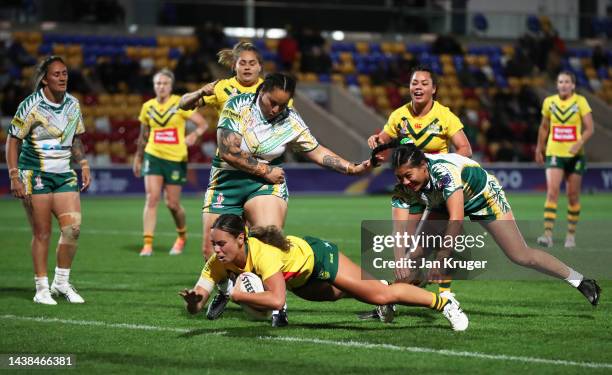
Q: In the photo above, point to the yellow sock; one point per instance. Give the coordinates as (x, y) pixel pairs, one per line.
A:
(444, 286)
(182, 233)
(573, 213)
(148, 240)
(438, 302)
(550, 215)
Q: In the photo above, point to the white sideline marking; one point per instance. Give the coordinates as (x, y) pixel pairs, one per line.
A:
(133, 233)
(103, 324)
(452, 353)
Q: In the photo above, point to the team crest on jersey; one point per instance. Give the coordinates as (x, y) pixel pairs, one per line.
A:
(444, 181)
(39, 184)
(219, 202)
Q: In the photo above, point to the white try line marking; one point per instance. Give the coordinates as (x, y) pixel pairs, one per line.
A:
(140, 327)
(350, 344)
(452, 353)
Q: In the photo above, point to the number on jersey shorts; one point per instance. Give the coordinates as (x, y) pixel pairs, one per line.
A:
(37, 182)
(576, 164)
(173, 172)
(229, 190)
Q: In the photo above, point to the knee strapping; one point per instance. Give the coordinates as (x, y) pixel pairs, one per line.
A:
(70, 227)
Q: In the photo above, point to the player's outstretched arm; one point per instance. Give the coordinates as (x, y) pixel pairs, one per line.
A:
(195, 99)
(379, 139)
(330, 160)
(229, 142)
(195, 299)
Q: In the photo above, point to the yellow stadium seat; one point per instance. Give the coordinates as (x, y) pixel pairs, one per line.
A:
(508, 50)
(146, 52)
(104, 99)
(134, 99)
(272, 44)
(34, 37)
(363, 79)
(31, 48)
(161, 63)
(74, 49)
(446, 59)
(59, 49)
(20, 36)
(362, 47)
(161, 52)
(346, 57)
(132, 52)
(310, 77)
(399, 48)
(387, 47)
(379, 91)
(366, 90)
(482, 60)
(337, 78)
(164, 41)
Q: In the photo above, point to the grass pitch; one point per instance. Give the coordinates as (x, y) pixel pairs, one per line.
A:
(134, 321)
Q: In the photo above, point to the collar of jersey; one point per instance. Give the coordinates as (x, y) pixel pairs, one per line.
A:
(55, 105)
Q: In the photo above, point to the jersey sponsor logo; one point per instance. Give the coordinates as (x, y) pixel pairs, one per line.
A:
(219, 202)
(564, 133)
(166, 136)
(39, 184)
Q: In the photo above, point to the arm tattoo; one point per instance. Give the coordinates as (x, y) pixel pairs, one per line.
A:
(145, 130)
(334, 162)
(229, 149)
(78, 152)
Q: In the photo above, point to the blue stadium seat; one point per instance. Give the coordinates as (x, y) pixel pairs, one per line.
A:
(174, 53)
(324, 78)
(45, 49)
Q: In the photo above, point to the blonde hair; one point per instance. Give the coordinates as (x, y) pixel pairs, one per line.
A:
(165, 72)
(228, 57)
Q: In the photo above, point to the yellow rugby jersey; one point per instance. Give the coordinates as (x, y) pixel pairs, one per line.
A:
(265, 260)
(167, 122)
(431, 132)
(226, 88)
(565, 123)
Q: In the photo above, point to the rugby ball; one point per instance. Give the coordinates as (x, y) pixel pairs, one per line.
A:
(251, 283)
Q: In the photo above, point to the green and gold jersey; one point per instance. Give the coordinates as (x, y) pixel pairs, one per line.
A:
(264, 260)
(431, 133)
(227, 88)
(447, 174)
(565, 123)
(263, 139)
(167, 122)
(47, 130)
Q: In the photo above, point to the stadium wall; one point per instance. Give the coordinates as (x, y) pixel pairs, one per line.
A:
(311, 179)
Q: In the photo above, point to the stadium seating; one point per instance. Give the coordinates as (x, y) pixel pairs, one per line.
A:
(375, 71)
